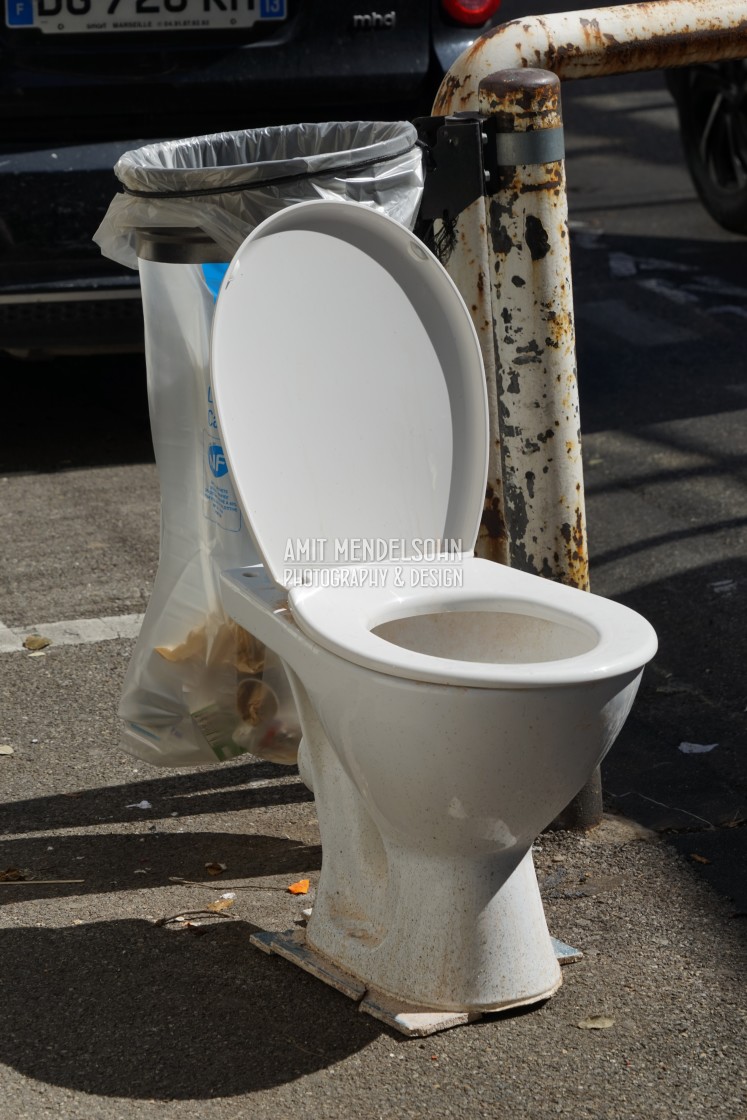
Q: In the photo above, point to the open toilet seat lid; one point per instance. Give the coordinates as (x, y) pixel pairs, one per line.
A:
(350, 392)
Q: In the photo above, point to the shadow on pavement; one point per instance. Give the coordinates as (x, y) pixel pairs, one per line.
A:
(694, 692)
(220, 790)
(132, 862)
(129, 1009)
(661, 373)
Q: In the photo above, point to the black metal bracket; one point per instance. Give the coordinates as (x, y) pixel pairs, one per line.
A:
(463, 156)
(454, 163)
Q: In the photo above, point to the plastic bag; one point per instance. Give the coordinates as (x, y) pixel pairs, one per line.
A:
(226, 184)
(199, 689)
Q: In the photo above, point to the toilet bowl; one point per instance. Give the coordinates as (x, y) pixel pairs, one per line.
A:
(450, 707)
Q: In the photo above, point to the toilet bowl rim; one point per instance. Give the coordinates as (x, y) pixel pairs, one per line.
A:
(342, 620)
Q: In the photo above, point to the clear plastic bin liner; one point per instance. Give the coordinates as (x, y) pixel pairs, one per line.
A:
(228, 183)
(199, 688)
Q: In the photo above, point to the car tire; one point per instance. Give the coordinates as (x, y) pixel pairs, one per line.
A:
(712, 106)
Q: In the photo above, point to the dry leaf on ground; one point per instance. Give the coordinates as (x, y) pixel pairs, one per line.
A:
(596, 1023)
(215, 868)
(36, 641)
(219, 904)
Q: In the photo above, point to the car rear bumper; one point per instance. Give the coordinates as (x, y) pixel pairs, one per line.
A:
(72, 321)
(58, 91)
(56, 290)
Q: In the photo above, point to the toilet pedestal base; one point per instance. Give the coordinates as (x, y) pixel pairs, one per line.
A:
(415, 1022)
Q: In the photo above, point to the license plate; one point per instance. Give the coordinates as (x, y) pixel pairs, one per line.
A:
(59, 17)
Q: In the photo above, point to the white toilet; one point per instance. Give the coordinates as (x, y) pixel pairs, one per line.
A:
(450, 707)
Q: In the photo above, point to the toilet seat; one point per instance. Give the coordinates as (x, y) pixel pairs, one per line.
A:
(594, 637)
(384, 438)
(349, 387)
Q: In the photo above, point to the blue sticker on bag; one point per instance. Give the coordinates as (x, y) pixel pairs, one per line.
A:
(217, 460)
(213, 274)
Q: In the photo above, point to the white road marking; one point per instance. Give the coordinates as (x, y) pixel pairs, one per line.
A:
(79, 631)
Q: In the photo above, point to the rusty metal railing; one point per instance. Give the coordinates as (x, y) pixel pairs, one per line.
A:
(510, 258)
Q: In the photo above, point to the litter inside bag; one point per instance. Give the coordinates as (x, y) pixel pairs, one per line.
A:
(249, 705)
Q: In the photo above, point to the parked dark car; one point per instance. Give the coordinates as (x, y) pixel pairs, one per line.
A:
(712, 105)
(82, 81)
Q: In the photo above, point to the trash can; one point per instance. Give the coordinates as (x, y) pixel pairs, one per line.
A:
(199, 689)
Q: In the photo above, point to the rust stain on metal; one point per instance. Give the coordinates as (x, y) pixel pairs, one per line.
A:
(552, 185)
(559, 327)
(501, 239)
(522, 98)
(493, 520)
(536, 236)
(576, 554)
(449, 88)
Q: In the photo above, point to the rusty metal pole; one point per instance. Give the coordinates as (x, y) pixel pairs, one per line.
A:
(532, 309)
(598, 41)
(537, 418)
(581, 44)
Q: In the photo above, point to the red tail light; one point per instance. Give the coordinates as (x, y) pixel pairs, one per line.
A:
(472, 12)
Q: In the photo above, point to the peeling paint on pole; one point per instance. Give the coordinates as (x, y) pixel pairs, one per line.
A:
(581, 44)
(532, 314)
(469, 258)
